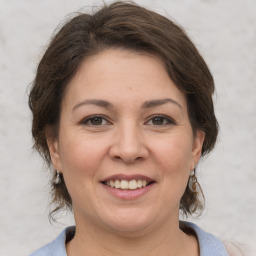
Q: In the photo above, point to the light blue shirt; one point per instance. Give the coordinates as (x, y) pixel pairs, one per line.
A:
(208, 243)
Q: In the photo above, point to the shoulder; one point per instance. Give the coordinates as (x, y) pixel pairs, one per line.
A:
(212, 246)
(56, 247)
(235, 249)
(209, 244)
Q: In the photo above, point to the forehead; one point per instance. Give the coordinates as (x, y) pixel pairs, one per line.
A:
(124, 74)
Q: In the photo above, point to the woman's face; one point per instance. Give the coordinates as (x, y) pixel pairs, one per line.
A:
(125, 144)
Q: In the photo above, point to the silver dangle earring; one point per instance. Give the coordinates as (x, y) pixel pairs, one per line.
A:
(57, 179)
(192, 183)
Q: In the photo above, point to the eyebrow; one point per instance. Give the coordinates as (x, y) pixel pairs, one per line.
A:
(155, 103)
(145, 105)
(100, 103)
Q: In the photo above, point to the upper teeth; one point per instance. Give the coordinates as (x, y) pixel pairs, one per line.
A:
(125, 184)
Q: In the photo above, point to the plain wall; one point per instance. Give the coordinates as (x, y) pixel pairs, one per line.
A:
(224, 32)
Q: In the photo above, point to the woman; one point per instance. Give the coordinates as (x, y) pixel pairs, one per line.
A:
(122, 112)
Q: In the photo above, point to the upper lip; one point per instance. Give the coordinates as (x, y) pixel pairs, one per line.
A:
(127, 177)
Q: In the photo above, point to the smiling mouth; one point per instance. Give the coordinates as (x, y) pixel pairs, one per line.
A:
(127, 184)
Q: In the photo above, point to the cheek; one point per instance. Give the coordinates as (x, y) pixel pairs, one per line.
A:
(80, 156)
(175, 153)
(81, 162)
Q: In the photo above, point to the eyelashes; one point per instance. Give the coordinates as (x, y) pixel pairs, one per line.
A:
(160, 120)
(155, 120)
(95, 120)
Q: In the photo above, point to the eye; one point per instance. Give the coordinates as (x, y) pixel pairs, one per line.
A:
(95, 121)
(160, 120)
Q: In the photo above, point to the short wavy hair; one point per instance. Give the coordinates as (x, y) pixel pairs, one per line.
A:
(127, 26)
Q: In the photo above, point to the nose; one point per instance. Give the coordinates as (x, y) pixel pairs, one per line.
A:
(128, 145)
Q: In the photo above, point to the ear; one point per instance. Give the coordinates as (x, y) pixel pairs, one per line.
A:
(53, 146)
(197, 147)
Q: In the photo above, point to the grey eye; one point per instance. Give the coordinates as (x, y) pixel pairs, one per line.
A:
(96, 120)
(158, 120)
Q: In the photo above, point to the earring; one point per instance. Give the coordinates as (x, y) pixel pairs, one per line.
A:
(192, 183)
(57, 180)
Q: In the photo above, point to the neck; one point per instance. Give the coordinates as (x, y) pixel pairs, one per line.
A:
(167, 240)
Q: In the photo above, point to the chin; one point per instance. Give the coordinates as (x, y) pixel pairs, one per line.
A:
(129, 222)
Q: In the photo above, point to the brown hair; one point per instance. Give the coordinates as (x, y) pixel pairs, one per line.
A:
(128, 26)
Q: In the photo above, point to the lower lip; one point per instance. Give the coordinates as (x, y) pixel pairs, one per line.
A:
(128, 194)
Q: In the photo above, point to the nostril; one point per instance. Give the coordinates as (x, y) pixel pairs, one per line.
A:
(127, 159)
(128, 149)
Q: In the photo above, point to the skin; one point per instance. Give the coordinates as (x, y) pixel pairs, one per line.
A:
(126, 138)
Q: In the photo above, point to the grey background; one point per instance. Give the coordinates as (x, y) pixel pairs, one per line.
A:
(225, 33)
